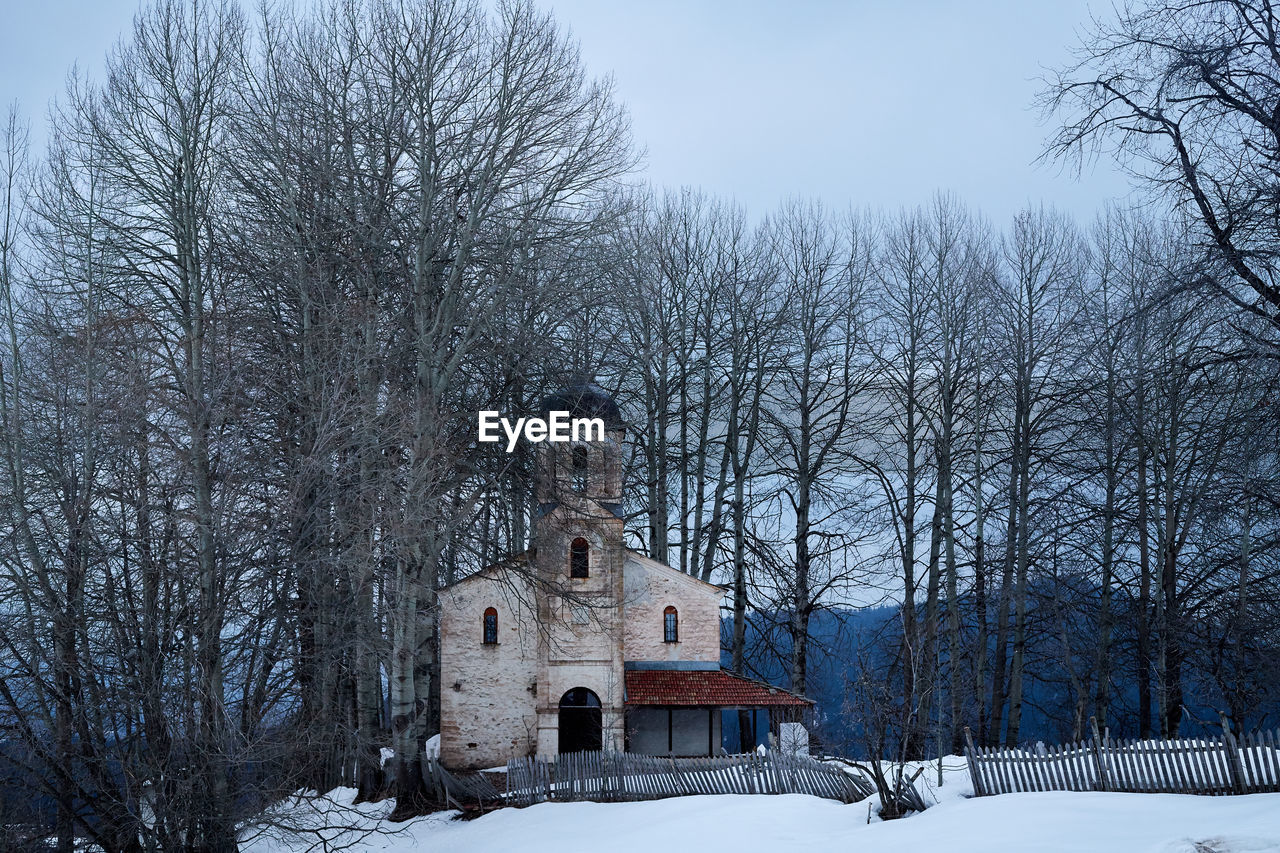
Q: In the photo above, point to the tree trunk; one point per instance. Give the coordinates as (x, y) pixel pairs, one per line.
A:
(1004, 602)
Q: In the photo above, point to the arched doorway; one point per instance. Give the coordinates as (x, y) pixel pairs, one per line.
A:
(580, 722)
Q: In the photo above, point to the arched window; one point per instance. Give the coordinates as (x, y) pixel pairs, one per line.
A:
(579, 561)
(580, 468)
(670, 625)
(490, 626)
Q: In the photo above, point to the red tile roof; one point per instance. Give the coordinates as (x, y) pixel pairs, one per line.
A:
(702, 688)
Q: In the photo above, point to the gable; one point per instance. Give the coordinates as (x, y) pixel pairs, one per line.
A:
(639, 563)
(492, 572)
(650, 589)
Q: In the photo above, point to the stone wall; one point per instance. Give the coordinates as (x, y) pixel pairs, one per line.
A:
(487, 710)
(649, 588)
(581, 618)
(501, 701)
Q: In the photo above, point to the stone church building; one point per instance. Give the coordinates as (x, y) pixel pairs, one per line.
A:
(580, 643)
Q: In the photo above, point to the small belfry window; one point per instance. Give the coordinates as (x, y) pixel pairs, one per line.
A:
(580, 469)
(670, 626)
(579, 561)
(490, 626)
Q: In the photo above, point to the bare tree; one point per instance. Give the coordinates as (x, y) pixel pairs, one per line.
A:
(1037, 305)
(1184, 93)
(823, 271)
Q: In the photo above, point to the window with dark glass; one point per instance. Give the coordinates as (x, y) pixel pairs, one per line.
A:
(580, 468)
(670, 626)
(579, 562)
(490, 626)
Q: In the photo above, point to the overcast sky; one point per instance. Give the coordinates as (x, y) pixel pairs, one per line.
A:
(865, 102)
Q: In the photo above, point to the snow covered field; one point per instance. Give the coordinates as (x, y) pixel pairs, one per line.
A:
(1092, 822)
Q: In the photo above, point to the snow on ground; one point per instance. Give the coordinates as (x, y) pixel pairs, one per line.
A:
(1026, 823)
(955, 783)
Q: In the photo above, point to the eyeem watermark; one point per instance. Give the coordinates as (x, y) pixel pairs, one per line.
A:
(557, 427)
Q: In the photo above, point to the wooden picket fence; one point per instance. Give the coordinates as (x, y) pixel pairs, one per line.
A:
(616, 777)
(1218, 765)
(454, 790)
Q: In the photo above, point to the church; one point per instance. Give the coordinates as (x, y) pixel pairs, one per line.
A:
(581, 644)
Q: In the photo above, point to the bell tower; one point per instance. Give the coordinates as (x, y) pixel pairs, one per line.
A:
(578, 556)
(582, 472)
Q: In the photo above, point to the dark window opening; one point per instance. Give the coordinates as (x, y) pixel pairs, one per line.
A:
(580, 469)
(579, 561)
(670, 626)
(490, 626)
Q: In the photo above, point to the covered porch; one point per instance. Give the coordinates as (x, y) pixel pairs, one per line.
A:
(694, 709)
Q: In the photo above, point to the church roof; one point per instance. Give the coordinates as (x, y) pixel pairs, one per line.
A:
(703, 688)
(585, 400)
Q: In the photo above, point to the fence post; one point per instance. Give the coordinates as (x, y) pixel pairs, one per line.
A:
(972, 757)
(1233, 755)
(1100, 756)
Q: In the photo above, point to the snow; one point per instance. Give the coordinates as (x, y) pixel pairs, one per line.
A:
(1034, 823)
(955, 779)
(431, 750)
